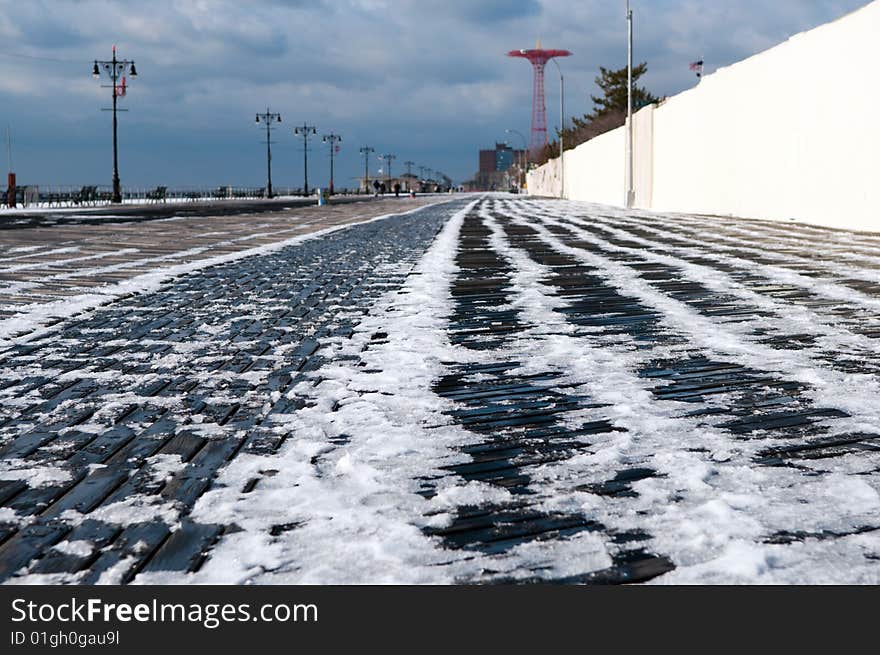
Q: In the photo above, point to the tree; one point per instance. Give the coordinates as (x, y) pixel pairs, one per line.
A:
(609, 112)
(614, 96)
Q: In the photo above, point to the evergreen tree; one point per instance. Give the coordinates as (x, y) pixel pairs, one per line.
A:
(614, 96)
(609, 112)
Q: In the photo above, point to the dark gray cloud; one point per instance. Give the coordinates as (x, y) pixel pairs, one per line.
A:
(425, 79)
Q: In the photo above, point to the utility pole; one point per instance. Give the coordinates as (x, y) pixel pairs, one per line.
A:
(268, 118)
(366, 151)
(630, 193)
(305, 131)
(115, 68)
(562, 128)
(332, 139)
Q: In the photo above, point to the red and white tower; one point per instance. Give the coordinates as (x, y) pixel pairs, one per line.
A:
(539, 58)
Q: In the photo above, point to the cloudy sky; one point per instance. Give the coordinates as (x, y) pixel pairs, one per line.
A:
(426, 80)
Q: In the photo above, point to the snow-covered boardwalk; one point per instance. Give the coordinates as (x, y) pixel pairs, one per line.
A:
(53, 264)
(491, 390)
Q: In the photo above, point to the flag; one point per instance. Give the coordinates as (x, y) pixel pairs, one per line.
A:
(697, 67)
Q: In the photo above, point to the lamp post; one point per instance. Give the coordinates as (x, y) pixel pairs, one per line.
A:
(366, 151)
(332, 139)
(268, 118)
(524, 154)
(562, 128)
(10, 176)
(115, 68)
(305, 131)
(630, 193)
(409, 165)
(388, 159)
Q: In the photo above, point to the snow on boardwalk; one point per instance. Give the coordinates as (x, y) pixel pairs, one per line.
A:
(68, 263)
(541, 391)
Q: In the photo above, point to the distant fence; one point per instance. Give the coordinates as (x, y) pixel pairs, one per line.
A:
(51, 196)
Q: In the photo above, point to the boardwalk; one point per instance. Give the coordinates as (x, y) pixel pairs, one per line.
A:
(490, 390)
(50, 257)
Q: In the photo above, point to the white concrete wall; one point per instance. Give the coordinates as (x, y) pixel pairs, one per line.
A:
(545, 180)
(597, 171)
(791, 133)
(643, 157)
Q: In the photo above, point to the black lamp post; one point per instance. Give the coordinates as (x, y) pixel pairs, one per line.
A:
(115, 68)
(332, 139)
(388, 159)
(366, 151)
(305, 131)
(409, 165)
(268, 118)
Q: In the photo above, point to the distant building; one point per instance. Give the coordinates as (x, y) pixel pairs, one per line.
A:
(499, 159)
(504, 159)
(487, 161)
(499, 169)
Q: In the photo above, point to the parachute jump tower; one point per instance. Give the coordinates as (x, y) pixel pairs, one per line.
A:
(538, 58)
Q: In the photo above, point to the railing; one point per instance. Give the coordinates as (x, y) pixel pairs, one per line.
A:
(48, 197)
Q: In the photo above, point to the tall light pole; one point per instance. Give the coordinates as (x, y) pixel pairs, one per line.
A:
(630, 193)
(562, 128)
(268, 118)
(388, 159)
(305, 131)
(524, 154)
(10, 176)
(409, 165)
(366, 151)
(115, 68)
(332, 139)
